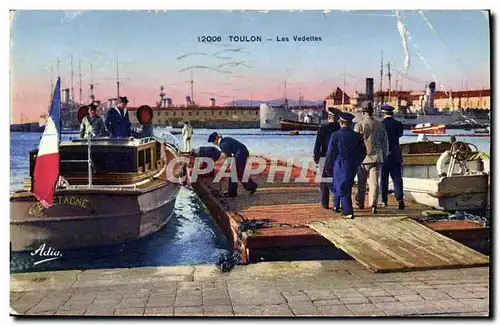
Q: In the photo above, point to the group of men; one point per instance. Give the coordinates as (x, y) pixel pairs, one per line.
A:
(117, 122)
(370, 151)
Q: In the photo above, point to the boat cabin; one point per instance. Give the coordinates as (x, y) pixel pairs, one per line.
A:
(113, 160)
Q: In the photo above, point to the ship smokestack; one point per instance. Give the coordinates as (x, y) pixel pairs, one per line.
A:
(188, 100)
(369, 89)
(66, 96)
(212, 102)
(169, 102)
(430, 95)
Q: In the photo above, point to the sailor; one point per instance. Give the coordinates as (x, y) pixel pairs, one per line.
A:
(209, 152)
(92, 123)
(117, 120)
(187, 134)
(345, 153)
(394, 163)
(376, 143)
(320, 148)
(231, 147)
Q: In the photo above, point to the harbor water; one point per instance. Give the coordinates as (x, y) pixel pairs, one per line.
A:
(191, 236)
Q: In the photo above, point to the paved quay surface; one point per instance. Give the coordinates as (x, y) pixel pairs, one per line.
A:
(306, 288)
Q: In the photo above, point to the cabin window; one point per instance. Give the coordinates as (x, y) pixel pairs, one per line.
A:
(166, 122)
(158, 149)
(256, 112)
(220, 112)
(148, 158)
(166, 113)
(189, 113)
(175, 113)
(182, 113)
(141, 159)
(158, 113)
(205, 113)
(227, 113)
(104, 160)
(212, 113)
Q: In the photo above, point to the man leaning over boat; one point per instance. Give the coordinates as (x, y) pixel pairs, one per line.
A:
(92, 123)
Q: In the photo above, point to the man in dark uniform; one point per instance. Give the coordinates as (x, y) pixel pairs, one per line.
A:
(117, 120)
(346, 151)
(320, 148)
(231, 147)
(393, 164)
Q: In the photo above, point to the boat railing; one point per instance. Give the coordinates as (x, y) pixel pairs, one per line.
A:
(88, 160)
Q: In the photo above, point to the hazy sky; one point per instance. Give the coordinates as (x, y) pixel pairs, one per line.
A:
(446, 46)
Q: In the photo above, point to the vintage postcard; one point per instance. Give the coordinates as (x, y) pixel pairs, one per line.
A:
(250, 163)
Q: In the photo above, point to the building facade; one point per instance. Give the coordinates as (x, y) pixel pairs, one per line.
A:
(203, 117)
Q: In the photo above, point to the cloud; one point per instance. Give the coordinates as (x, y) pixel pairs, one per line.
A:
(70, 15)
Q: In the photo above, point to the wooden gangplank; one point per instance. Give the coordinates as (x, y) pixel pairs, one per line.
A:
(389, 244)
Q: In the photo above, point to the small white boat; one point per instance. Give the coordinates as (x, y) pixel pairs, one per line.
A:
(457, 192)
(466, 186)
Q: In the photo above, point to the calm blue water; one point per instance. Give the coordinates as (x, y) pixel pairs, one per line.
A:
(191, 237)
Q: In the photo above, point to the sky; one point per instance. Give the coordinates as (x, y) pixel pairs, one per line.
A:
(156, 48)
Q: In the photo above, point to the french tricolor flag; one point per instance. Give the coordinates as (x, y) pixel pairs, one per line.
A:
(46, 172)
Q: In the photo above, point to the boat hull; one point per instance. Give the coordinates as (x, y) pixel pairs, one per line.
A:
(288, 125)
(437, 130)
(82, 218)
(469, 192)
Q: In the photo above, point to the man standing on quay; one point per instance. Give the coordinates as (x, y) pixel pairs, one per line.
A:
(346, 151)
(394, 162)
(376, 143)
(320, 148)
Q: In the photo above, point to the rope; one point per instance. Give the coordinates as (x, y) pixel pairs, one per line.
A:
(228, 260)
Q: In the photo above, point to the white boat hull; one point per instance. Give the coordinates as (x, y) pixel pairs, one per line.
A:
(463, 192)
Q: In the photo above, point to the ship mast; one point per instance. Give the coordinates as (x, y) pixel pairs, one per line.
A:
(72, 90)
(92, 97)
(80, 75)
(381, 76)
(117, 80)
(286, 100)
(192, 88)
(343, 92)
(51, 78)
(389, 75)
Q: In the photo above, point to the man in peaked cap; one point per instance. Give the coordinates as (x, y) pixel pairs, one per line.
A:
(394, 163)
(376, 143)
(231, 147)
(117, 119)
(92, 123)
(320, 148)
(345, 153)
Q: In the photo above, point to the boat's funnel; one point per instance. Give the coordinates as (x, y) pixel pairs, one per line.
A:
(431, 89)
(83, 111)
(144, 114)
(369, 89)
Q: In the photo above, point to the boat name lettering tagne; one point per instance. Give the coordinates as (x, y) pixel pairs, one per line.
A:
(38, 209)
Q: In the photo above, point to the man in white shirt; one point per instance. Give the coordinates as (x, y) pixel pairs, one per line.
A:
(187, 134)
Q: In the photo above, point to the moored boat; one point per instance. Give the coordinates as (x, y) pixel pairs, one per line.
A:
(290, 125)
(429, 128)
(466, 186)
(110, 191)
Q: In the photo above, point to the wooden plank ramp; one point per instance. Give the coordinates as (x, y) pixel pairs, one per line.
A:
(291, 207)
(389, 244)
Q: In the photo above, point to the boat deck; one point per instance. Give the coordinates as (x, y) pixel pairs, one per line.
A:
(291, 207)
